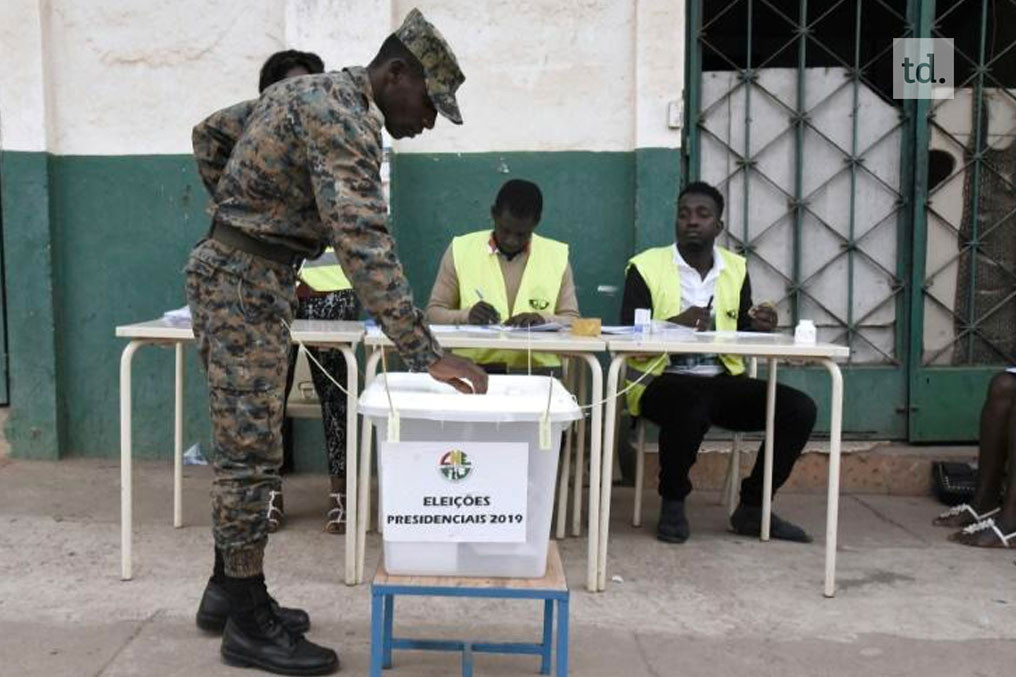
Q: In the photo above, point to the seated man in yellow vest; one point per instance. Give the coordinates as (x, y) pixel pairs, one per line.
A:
(697, 284)
(509, 274)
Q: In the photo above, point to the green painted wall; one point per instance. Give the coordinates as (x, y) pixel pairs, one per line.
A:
(92, 242)
(34, 427)
(588, 201)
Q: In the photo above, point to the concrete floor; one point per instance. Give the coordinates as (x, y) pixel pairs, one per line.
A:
(909, 601)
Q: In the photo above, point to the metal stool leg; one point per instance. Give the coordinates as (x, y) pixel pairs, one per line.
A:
(548, 644)
(562, 638)
(389, 635)
(376, 632)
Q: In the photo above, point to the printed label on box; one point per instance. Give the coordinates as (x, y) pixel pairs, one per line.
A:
(441, 492)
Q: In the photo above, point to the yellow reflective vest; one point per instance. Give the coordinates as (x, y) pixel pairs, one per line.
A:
(661, 274)
(324, 273)
(479, 270)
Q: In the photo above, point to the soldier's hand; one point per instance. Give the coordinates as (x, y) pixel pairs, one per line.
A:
(695, 317)
(525, 320)
(460, 374)
(484, 313)
(764, 317)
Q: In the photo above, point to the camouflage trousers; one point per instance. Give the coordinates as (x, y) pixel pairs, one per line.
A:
(238, 305)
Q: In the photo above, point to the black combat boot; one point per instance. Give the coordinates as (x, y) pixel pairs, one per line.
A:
(254, 636)
(215, 605)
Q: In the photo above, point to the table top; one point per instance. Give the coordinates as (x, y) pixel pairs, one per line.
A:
(547, 341)
(317, 332)
(727, 343)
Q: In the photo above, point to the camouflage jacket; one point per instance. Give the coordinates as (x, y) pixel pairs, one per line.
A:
(305, 172)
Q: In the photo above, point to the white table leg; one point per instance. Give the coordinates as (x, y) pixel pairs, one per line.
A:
(580, 454)
(613, 374)
(562, 483)
(178, 439)
(595, 470)
(352, 388)
(370, 369)
(125, 459)
(564, 474)
(767, 475)
(833, 492)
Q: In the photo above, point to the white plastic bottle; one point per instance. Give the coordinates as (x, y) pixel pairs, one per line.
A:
(805, 332)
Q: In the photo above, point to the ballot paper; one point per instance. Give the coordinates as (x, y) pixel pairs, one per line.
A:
(178, 316)
(546, 326)
(617, 329)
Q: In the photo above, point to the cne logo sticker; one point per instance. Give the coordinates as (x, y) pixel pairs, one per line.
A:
(455, 465)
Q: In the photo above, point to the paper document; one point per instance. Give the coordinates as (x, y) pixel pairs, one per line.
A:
(178, 316)
(617, 329)
(545, 327)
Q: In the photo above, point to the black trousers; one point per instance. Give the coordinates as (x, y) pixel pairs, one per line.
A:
(685, 406)
(337, 305)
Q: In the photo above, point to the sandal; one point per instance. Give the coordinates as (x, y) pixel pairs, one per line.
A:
(276, 518)
(337, 516)
(964, 511)
(970, 535)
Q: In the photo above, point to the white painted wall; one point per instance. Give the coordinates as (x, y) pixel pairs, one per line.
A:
(122, 77)
(22, 95)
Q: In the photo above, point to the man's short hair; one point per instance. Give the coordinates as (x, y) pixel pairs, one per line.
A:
(392, 48)
(278, 64)
(520, 197)
(703, 188)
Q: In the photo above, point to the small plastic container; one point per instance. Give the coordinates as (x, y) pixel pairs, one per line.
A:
(805, 332)
(643, 321)
(510, 412)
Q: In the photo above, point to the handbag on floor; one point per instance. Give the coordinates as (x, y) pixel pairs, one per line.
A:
(952, 482)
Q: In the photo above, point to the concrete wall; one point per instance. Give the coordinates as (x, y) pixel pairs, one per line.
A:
(101, 201)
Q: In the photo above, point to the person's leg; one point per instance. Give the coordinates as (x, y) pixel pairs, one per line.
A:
(238, 324)
(679, 405)
(993, 447)
(739, 404)
(1004, 521)
(341, 305)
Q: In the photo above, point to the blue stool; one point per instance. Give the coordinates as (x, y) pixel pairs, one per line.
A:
(551, 588)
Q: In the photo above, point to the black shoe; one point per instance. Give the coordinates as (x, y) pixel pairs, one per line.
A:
(673, 525)
(256, 638)
(747, 521)
(215, 606)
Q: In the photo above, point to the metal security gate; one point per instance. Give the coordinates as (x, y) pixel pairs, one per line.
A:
(789, 118)
(890, 223)
(964, 297)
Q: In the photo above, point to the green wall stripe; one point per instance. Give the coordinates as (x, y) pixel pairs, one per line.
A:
(34, 425)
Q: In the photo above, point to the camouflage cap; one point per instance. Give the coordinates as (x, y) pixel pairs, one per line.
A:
(440, 66)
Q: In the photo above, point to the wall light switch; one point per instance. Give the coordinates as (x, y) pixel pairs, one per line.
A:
(675, 116)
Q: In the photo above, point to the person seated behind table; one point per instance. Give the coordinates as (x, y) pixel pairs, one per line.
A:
(485, 273)
(697, 284)
(989, 520)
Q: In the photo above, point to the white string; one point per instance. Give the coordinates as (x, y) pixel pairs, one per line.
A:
(648, 372)
(529, 350)
(391, 405)
(311, 357)
(384, 373)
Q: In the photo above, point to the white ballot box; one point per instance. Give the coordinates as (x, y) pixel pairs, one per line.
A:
(467, 481)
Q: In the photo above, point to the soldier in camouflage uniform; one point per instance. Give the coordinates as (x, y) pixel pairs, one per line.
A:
(304, 173)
